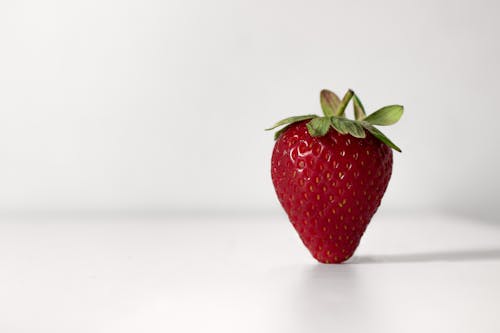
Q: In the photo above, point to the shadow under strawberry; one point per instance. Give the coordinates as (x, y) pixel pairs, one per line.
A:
(436, 256)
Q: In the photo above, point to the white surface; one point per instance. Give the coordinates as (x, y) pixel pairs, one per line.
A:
(237, 274)
(114, 105)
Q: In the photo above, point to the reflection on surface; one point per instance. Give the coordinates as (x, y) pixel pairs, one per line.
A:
(458, 255)
(333, 296)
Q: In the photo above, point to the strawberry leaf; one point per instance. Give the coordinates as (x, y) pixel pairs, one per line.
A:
(387, 115)
(291, 120)
(338, 125)
(379, 135)
(334, 111)
(278, 133)
(329, 102)
(344, 126)
(318, 126)
(359, 109)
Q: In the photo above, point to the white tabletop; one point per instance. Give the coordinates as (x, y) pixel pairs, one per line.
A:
(430, 273)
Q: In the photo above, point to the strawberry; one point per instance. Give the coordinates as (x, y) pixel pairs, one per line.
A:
(330, 173)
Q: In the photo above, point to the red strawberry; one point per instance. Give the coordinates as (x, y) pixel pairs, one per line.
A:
(330, 174)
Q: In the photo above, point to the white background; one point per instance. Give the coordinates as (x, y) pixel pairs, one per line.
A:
(160, 106)
(135, 190)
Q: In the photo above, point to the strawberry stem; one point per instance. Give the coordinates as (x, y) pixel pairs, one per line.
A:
(343, 103)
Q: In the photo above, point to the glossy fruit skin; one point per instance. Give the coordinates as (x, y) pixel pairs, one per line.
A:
(330, 187)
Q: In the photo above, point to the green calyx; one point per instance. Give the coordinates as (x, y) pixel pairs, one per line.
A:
(334, 117)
